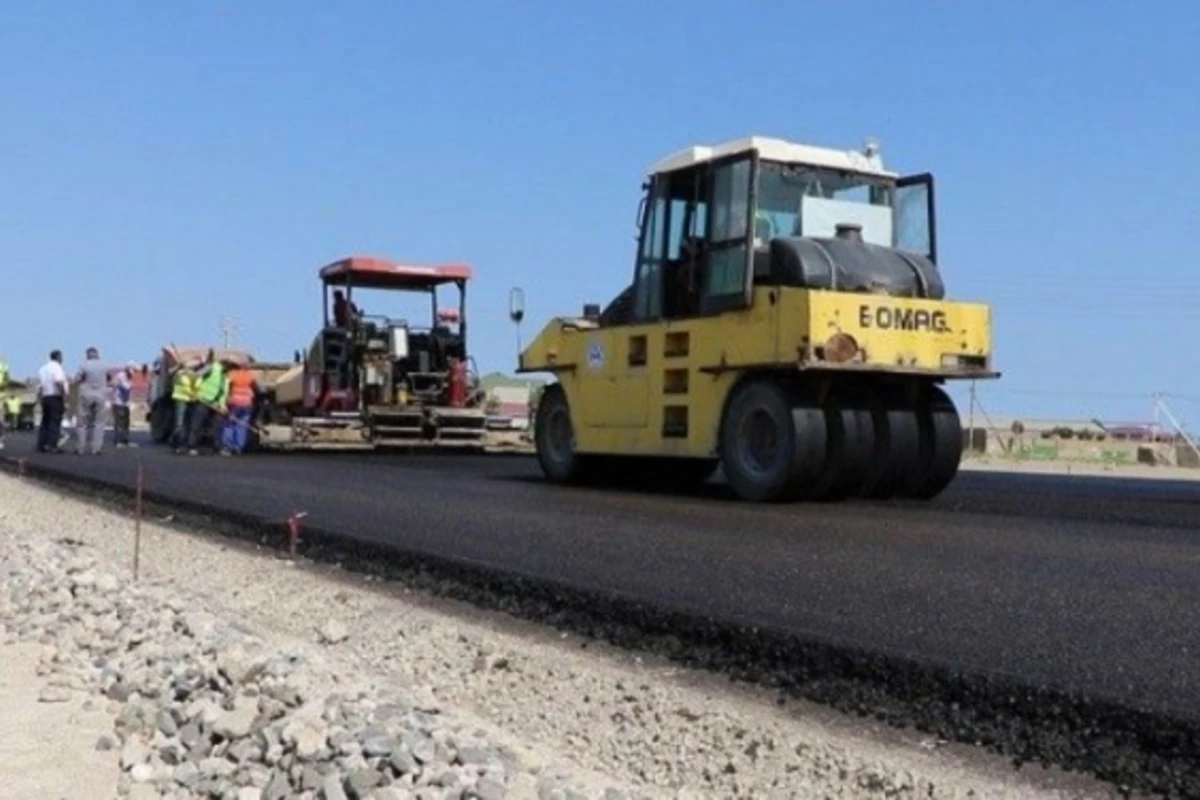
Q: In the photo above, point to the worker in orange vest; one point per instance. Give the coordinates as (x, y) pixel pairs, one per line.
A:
(242, 391)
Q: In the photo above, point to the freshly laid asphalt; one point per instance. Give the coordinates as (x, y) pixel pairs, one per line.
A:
(1083, 584)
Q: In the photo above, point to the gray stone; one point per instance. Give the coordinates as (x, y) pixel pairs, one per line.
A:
(278, 787)
(105, 743)
(236, 724)
(331, 788)
(378, 746)
(171, 753)
(424, 751)
(448, 779)
(489, 788)
(360, 782)
(245, 750)
(311, 778)
(166, 723)
(474, 754)
(309, 741)
(187, 774)
(216, 768)
(141, 773)
(118, 692)
(134, 752)
(333, 632)
(403, 762)
(390, 793)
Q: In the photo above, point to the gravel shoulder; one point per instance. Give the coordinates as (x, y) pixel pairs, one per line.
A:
(273, 679)
(47, 737)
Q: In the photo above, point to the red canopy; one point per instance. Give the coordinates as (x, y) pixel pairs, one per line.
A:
(367, 272)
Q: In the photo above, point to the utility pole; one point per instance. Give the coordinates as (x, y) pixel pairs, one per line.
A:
(1160, 407)
(228, 328)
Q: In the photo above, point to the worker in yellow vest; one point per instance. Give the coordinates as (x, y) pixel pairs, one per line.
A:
(12, 413)
(210, 405)
(12, 410)
(185, 388)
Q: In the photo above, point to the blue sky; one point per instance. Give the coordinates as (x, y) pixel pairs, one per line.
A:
(165, 164)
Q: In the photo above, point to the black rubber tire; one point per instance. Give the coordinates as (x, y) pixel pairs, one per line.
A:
(796, 423)
(941, 446)
(555, 445)
(162, 417)
(897, 446)
(849, 458)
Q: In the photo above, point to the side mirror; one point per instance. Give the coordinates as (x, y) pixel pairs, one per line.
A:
(591, 311)
(516, 312)
(516, 304)
(295, 356)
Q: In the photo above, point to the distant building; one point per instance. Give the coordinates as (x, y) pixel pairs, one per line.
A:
(509, 400)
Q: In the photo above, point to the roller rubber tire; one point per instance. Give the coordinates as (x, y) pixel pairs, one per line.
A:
(797, 425)
(849, 459)
(941, 445)
(554, 440)
(897, 447)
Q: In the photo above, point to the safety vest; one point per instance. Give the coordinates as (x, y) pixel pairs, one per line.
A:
(186, 386)
(12, 404)
(241, 388)
(212, 385)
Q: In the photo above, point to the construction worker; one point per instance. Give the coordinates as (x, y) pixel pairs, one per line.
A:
(243, 390)
(12, 410)
(210, 403)
(92, 379)
(8, 421)
(185, 388)
(53, 387)
(122, 392)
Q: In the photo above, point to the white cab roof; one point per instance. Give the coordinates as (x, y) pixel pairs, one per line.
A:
(777, 150)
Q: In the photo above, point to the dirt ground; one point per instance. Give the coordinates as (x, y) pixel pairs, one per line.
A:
(48, 749)
(1142, 471)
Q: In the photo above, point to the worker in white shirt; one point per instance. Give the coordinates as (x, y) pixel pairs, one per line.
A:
(52, 394)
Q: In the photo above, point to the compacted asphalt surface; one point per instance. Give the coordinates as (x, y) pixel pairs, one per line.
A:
(1084, 584)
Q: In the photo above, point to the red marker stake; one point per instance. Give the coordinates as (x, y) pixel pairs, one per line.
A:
(293, 524)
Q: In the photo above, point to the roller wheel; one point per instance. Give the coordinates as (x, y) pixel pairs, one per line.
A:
(896, 451)
(772, 443)
(849, 458)
(941, 446)
(554, 439)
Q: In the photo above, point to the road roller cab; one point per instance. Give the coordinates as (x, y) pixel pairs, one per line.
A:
(787, 320)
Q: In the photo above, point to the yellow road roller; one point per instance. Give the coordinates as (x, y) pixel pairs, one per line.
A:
(787, 322)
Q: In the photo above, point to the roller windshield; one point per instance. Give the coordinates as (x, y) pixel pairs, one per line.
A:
(808, 201)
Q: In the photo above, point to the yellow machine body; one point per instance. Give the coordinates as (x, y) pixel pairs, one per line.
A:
(787, 321)
(660, 388)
